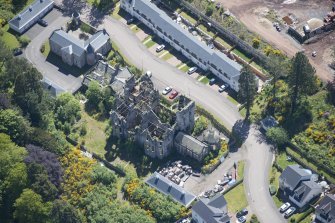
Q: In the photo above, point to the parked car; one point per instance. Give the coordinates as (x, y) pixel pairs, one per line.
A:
(223, 87)
(212, 81)
(129, 21)
(290, 211)
(167, 90)
(42, 22)
(160, 48)
(192, 70)
(173, 94)
(284, 207)
(314, 54)
(242, 213)
(242, 219)
(196, 174)
(17, 51)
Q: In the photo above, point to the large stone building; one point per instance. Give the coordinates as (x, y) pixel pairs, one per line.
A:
(140, 116)
(163, 26)
(78, 52)
(30, 15)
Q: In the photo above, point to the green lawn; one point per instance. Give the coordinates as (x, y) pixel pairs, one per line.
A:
(240, 169)
(282, 160)
(232, 100)
(184, 67)
(224, 43)
(243, 112)
(47, 48)
(95, 139)
(134, 28)
(241, 55)
(189, 18)
(9, 39)
(236, 199)
(150, 43)
(274, 180)
(204, 29)
(167, 56)
(115, 14)
(205, 80)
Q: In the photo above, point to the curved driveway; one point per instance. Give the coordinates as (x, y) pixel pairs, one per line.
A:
(259, 155)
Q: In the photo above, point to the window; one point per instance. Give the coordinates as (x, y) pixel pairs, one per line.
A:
(159, 29)
(176, 41)
(213, 66)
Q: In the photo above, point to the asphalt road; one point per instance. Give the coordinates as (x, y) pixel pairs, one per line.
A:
(50, 72)
(259, 154)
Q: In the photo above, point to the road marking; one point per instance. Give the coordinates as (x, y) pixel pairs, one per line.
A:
(147, 40)
(163, 54)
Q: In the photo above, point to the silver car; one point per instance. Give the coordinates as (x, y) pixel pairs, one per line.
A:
(167, 90)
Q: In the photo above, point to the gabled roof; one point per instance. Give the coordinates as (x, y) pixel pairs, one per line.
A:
(327, 207)
(30, 13)
(64, 39)
(169, 188)
(212, 210)
(293, 174)
(168, 26)
(190, 142)
(306, 191)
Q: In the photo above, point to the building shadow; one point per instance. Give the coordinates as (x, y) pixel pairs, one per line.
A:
(65, 68)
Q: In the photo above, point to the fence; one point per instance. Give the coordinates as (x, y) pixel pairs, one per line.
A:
(312, 160)
(240, 44)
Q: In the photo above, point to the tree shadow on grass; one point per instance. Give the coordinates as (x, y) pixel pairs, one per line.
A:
(70, 6)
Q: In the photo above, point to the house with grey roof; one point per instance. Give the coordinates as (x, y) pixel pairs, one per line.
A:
(171, 189)
(213, 210)
(190, 146)
(79, 52)
(299, 186)
(291, 177)
(28, 17)
(198, 52)
(325, 210)
(307, 192)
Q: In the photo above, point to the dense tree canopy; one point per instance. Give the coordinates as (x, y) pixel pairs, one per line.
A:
(63, 212)
(277, 135)
(30, 208)
(94, 94)
(13, 124)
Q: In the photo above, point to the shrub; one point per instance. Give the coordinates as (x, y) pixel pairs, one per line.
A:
(24, 40)
(277, 135)
(42, 49)
(209, 9)
(254, 219)
(200, 125)
(256, 42)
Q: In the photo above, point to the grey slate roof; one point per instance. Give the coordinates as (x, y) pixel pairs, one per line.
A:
(306, 191)
(212, 210)
(30, 13)
(79, 46)
(167, 187)
(190, 142)
(327, 207)
(269, 122)
(293, 174)
(160, 19)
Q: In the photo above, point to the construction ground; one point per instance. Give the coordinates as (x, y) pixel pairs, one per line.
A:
(259, 16)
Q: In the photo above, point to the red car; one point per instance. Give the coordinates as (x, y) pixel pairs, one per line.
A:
(173, 94)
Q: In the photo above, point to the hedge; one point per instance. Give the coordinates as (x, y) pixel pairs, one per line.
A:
(232, 187)
(215, 122)
(305, 215)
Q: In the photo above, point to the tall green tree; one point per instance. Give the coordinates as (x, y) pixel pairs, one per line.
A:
(302, 80)
(13, 124)
(30, 208)
(67, 110)
(331, 91)
(247, 88)
(5, 54)
(63, 212)
(94, 94)
(28, 93)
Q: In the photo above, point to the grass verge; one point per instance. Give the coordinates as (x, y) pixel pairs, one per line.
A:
(189, 18)
(240, 169)
(241, 55)
(204, 29)
(232, 100)
(236, 199)
(46, 49)
(167, 56)
(9, 38)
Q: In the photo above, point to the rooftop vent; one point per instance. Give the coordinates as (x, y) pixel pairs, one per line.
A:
(19, 17)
